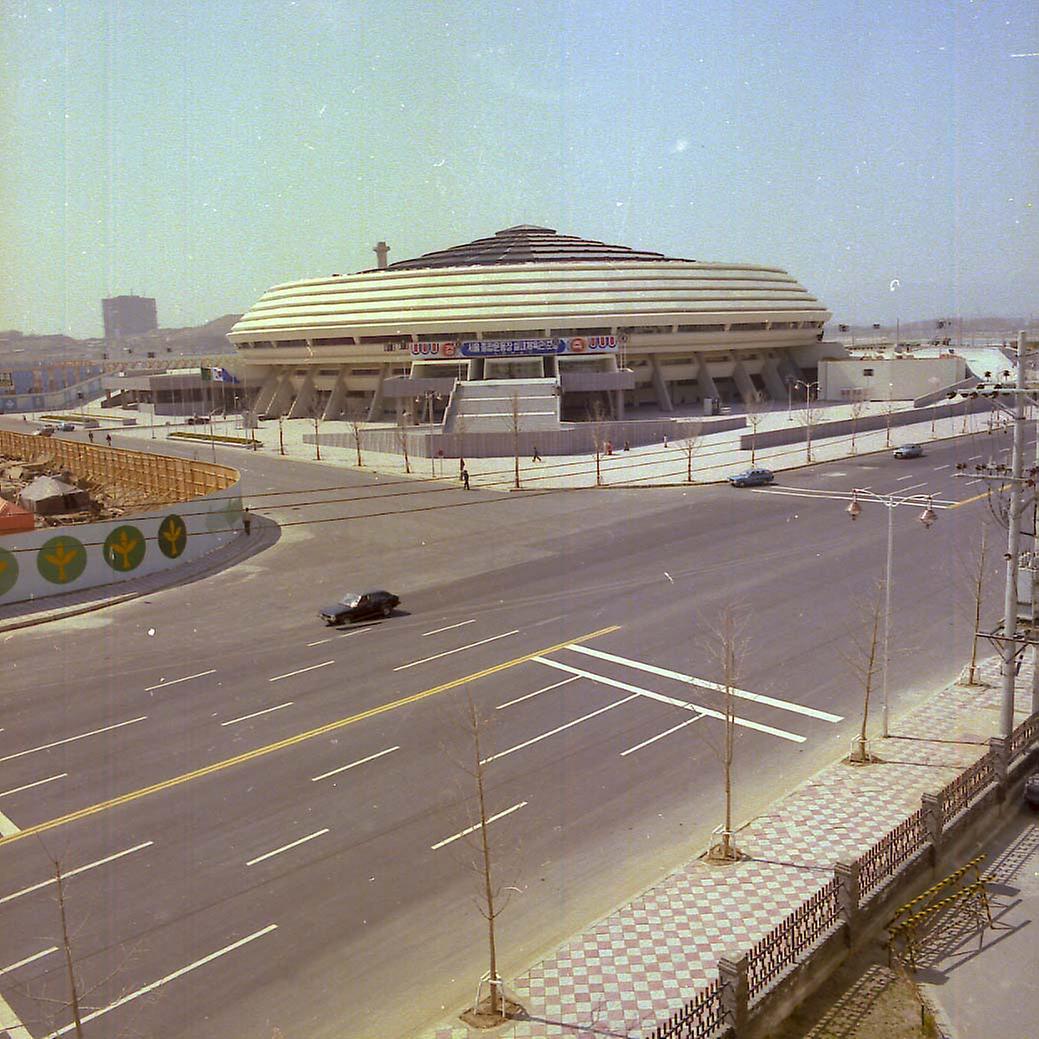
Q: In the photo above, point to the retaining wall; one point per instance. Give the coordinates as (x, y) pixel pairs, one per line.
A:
(578, 439)
(865, 424)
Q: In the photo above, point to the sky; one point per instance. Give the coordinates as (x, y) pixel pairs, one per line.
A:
(884, 153)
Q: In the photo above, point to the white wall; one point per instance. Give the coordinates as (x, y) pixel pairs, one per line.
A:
(209, 522)
(891, 378)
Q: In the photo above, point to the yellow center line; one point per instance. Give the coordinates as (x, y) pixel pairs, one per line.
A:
(291, 741)
(978, 497)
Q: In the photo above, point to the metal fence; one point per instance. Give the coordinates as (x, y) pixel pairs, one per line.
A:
(781, 947)
(894, 848)
(966, 786)
(700, 1018)
(161, 478)
(1024, 736)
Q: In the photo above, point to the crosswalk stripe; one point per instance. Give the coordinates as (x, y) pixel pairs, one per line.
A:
(743, 694)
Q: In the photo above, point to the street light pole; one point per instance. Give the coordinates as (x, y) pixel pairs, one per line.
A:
(927, 518)
(808, 415)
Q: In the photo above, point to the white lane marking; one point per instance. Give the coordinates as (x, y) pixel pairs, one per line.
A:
(129, 997)
(176, 681)
(320, 642)
(72, 739)
(746, 723)
(660, 736)
(559, 728)
(899, 479)
(29, 786)
(973, 458)
(913, 487)
(286, 847)
(28, 959)
(256, 714)
(448, 652)
(743, 694)
(7, 828)
(302, 670)
(10, 1023)
(470, 829)
(356, 631)
(74, 872)
(353, 764)
(938, 467)
(450, 627)
(537, 692)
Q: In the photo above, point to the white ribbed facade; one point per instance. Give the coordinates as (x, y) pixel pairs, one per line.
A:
(678, 330)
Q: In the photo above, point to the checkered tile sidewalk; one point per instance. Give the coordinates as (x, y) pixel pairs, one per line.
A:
(632, 970)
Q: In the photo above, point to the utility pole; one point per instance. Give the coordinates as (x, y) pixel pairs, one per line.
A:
(1006, 714)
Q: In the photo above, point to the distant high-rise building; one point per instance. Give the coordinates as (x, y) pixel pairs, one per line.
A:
(128, 316)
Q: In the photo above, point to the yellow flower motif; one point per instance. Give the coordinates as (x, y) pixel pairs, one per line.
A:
(123, 547)
(60, 559)
(172, 532)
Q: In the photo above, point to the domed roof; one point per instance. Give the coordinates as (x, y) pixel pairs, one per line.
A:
(526, 243)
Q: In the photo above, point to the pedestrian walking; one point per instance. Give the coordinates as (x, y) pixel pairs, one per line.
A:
(461, 466)
(665, 440)
(247, 522)
(108, 439)
(537, 454)
(627, 446)
(90, 437)
(465, 477)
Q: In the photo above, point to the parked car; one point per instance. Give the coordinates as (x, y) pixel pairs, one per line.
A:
(354, 606)
(1032, 791)
(752, 478)
(909, 451)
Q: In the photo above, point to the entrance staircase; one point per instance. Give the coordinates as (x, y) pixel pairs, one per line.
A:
(495, 406)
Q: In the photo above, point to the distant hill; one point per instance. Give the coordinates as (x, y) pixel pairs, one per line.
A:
(210, 338)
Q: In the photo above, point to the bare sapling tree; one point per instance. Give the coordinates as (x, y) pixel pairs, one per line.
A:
(863, 659)
(809, 417)
(74, 997)
(401, 433)
(354, 417)
(315, 415)
(689, 445)
(515, 421)
(858, 405)
(727, 647)
(978, 573)
(597, 424)
(755, 416)
(494, 896)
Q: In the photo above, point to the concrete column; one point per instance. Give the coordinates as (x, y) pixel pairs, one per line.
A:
(744, 383)
(375, 409)
(618, 404)
(305, 397)
(1035, 672)
(336, 399)
(735, 994)
(848, 897)
(707, 386)
(999, 746)
(660, 385)
(934, 818)
(772, 379)
(281, 399)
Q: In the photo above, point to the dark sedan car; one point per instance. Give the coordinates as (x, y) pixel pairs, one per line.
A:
(752, 478)
(354, 606)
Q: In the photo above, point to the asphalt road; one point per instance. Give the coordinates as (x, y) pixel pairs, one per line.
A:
(280, 848)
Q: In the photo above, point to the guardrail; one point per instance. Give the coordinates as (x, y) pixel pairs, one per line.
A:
(700, 1018)
(891, 851)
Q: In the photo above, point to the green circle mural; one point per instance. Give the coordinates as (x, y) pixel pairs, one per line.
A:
(8, 571)
(228, 516)
(173, 536)
(124, 548)
(61, 559)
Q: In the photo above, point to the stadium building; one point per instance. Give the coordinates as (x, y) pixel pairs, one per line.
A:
(528, 326)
